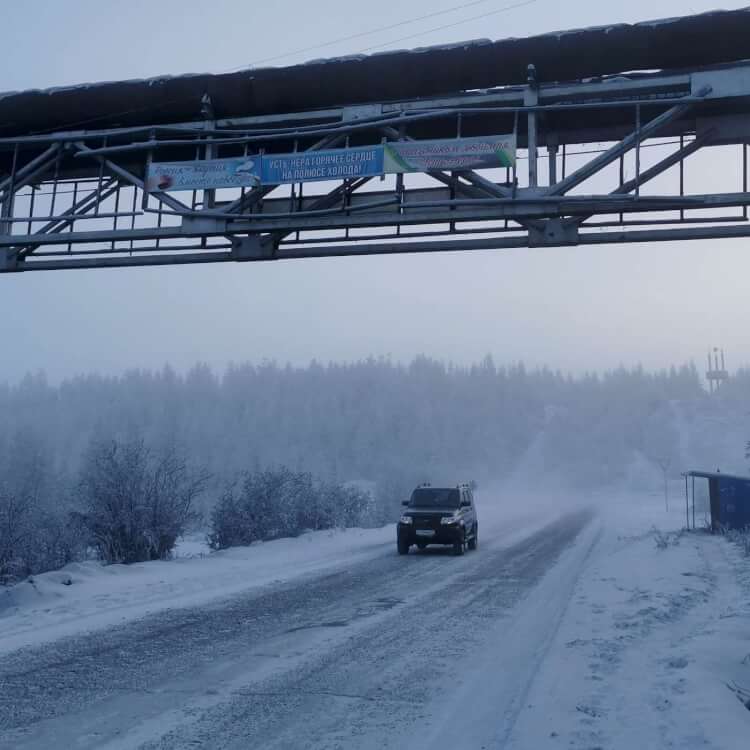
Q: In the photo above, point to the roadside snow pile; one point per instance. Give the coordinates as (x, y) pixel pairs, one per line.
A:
(87, 596)
(655, 642)
(665, 540)
(741, 539)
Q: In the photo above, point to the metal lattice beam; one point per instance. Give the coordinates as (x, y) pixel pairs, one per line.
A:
(77, 200)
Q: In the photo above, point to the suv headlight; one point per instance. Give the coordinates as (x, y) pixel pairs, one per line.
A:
(406, 519)
(450, 520)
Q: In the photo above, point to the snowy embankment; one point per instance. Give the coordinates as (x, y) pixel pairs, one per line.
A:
(632, 634)
(634, 638)
(87, 596)
(653, 644)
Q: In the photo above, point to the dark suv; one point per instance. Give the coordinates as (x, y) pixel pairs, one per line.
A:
(439, 515)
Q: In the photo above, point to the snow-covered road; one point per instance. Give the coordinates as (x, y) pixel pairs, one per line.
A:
(569, 628)
(386, 652)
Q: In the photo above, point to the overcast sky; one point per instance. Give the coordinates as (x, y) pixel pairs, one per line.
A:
(572, 308)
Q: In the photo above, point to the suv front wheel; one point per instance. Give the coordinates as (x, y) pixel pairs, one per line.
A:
(403, 547)
(474, 541)
(459, 547)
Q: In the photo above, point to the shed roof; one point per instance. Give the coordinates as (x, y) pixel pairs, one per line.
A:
(716, 475)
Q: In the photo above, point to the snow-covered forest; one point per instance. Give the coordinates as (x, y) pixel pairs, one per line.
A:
(375, 422)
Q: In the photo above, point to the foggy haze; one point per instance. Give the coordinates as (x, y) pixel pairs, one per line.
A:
(572, 308)
(448, 499)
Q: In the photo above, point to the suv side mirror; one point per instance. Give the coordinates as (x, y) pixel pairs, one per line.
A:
(404, 502)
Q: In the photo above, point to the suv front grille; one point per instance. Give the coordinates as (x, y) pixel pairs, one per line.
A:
(427, 522)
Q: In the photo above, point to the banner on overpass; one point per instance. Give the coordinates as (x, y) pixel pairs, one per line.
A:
(456, 153)
(391, 158)
(330, 164)
(203, 175)
(486, 152)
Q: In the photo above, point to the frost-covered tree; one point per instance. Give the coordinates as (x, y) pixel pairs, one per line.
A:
(36, 530)
(372, 420)
(280, 503)
(135, 503)
(18, 507)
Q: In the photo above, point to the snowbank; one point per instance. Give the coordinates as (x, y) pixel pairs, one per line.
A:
(89, 595)
(657, 629)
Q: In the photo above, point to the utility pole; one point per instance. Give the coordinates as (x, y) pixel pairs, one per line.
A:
(716, 373)
(664, 464)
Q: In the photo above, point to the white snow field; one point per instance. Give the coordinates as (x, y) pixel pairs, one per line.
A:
(568, 628)
(88, 596)
(650, 642)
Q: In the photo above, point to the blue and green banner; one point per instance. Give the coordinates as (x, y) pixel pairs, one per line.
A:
(330, 164)
(486, 152)
(205, 174)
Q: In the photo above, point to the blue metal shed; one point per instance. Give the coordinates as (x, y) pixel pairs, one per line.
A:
(729, 497)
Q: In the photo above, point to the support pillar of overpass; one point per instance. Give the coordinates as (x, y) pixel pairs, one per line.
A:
(531, 99)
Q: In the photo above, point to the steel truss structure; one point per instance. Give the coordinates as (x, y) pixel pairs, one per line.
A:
(76, 199)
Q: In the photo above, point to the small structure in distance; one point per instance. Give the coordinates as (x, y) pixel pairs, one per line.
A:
(716, 375)
(729, 500)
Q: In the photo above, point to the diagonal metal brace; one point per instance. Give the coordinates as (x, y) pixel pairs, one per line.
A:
(480, 186)
(325, 201)
(446, 179)
(129, 177)
(648, 130)
(654, 171)
(26, 174)
(73, 213)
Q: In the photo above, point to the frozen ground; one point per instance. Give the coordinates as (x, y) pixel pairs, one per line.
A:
(89, 596)
(651, 641)
(567, 629)
(84, 597)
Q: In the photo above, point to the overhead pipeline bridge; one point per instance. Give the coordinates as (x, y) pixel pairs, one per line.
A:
(602, 126)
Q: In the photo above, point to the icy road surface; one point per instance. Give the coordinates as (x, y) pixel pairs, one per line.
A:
(389, 651)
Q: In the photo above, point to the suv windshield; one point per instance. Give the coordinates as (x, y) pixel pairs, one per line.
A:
(430, 497)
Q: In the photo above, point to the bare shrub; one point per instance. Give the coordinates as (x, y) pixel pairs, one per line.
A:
(231, 524)
(740, 537)
(16, 511)
(661, 539)
(135, 504)
(36, 530)
(281, 503)
(666, 539)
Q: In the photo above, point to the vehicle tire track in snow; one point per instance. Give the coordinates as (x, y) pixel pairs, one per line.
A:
(392, 672)
(343, 652)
